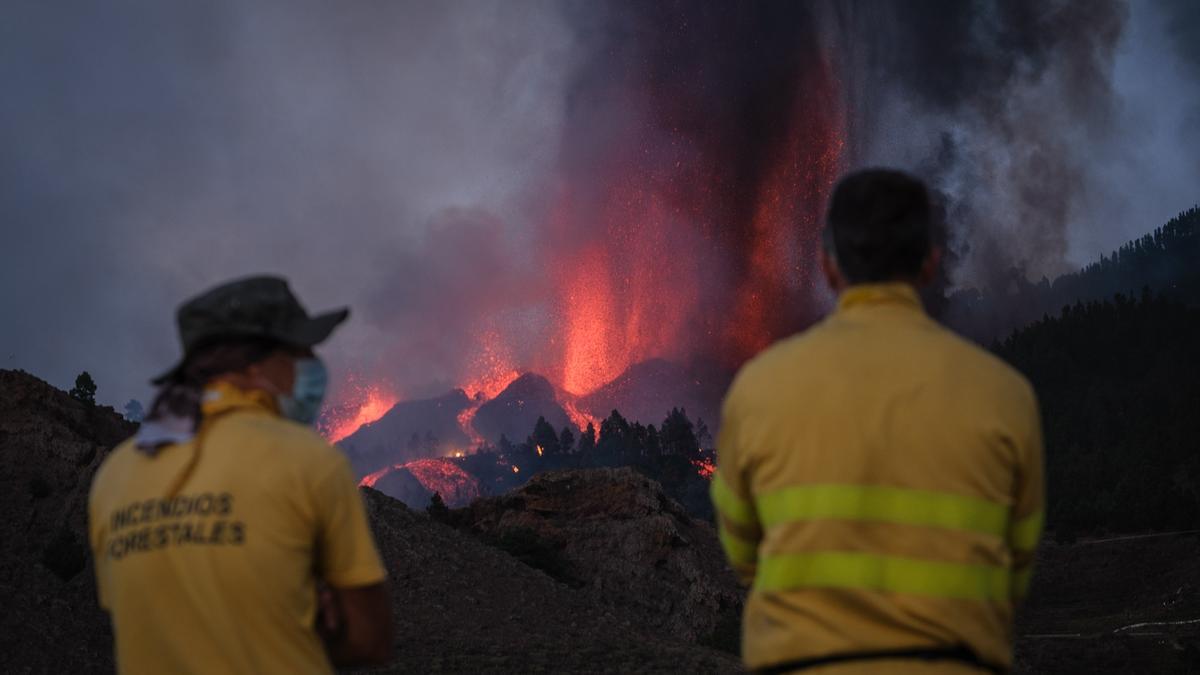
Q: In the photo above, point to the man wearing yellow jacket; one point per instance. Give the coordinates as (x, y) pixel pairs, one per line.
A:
(879, 479)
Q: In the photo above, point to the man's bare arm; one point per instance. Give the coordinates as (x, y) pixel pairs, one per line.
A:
(356, 624)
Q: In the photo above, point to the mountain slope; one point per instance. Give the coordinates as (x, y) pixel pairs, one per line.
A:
(410, 430)
(515, 410)
(460, 605)
(50, 446)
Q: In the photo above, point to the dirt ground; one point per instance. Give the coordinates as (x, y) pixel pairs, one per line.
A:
(1116, 605)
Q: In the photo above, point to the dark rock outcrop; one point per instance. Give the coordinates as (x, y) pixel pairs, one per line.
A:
(50, 446)
(629, 547)
(464, 607)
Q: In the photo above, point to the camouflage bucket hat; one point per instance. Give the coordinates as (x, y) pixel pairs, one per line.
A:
(255, 307)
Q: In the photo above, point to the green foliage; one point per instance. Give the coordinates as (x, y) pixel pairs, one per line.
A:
(84, 389)
(1119, 386)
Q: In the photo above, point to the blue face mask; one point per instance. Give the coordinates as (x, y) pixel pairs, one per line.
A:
(304, 403)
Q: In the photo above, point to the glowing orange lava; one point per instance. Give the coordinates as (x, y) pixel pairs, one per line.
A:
(364, 403)
(628, 295)
(578, 417)
(442, 476)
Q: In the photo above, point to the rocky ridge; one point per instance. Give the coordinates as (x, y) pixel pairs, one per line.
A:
(615, 535)
(460, 604)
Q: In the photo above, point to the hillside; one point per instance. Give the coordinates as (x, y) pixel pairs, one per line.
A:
(50, 446)
(577, 571)
(410, 430)
(461, 604)
(1119, 385)
(1167, 260)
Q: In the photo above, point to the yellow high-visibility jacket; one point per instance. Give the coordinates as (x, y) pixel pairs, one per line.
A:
(880, 485)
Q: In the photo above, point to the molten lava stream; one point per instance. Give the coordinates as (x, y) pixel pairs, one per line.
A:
(367, 404)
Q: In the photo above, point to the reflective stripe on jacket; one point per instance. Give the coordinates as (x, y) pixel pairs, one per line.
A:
(879, 483)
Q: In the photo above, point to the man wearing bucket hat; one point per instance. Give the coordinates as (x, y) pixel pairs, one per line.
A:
(214, 527)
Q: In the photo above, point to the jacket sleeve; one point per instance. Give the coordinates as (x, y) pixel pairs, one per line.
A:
(737, 520)
(1028, 514)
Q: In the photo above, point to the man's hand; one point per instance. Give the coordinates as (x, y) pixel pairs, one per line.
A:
(355, 624)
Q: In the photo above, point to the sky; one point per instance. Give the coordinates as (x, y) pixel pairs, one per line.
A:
(153, 149)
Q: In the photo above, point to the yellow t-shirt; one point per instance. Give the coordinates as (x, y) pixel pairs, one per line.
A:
(220, 576)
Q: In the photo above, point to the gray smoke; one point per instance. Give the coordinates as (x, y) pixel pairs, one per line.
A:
(397, 156)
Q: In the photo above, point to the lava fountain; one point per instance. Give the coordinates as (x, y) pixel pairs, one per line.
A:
(696, 157)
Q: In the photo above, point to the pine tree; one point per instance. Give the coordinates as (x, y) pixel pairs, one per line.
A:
(587, 441)
(544, 437)
(134, 411)
(566, 441)
(678, 437)
(84, 389)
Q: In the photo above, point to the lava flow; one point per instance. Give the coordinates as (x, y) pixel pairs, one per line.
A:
(362, 403)
(441, 476)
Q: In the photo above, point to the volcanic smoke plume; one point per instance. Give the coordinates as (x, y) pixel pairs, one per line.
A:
(698, 146)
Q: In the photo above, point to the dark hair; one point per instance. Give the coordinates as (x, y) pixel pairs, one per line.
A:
(180, 396)
(879, 226)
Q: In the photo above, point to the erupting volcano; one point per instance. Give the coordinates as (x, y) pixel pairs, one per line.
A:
(681, 226)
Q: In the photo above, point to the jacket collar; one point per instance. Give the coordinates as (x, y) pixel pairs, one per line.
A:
(891, 293)
(222, 397)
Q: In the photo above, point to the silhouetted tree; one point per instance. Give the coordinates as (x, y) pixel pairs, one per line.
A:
(653, 442)
(84, 389)
(587, 440)
(703, 437)
(134, 411)
(506, 447)
(545, 437)
(566, 440)
(678, 437)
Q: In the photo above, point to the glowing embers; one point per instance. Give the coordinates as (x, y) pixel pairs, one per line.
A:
(629, 293)
(443, 476)
(362, 403)
(705, 467)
